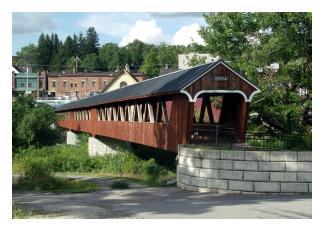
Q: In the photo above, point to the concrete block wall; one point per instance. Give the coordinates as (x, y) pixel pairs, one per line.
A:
(71, 138)
(98, 147)
(229, 171)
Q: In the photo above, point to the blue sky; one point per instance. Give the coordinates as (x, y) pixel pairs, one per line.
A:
(121, 28)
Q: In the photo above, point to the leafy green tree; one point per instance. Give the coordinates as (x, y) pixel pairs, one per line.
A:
(91, 62)
(27, 55)
(150, 66)
(275, 51)
(167, 55)
(196, 60)
(109, 56)
(31, 124)
(135, 53)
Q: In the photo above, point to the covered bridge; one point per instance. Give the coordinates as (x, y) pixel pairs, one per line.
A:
(159, 112)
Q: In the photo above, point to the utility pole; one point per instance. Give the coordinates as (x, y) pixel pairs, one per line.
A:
(77, 59)
(27, 79)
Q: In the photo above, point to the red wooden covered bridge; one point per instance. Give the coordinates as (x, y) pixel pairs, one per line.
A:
(159, 112)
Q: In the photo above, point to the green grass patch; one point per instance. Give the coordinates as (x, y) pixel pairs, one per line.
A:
(18, 213)
(54, 184)
(42, 162)
(119, 185)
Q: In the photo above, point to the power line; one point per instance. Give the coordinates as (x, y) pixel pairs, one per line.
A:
(102, 67)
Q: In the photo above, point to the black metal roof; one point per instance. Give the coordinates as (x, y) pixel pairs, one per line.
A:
(164, 84)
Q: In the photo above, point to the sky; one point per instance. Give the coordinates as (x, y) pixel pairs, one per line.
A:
(121, 28)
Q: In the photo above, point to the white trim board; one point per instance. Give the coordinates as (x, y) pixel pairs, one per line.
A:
(193, 99)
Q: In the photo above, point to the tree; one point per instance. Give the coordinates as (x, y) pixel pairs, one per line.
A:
(257, 43)
(109, 56)
(91, 41)
(27, 55)
(91, 62)
(71, 64)
(44, 50)
(150, 66)
(196, 60)
(68, 48)
(167, 55)
(135, 53)
(81, 45)
(31, 124)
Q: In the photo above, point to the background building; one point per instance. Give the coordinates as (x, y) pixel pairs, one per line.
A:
(80, 85)
(25, 82)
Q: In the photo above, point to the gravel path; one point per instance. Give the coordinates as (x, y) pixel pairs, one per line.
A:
(146, 202)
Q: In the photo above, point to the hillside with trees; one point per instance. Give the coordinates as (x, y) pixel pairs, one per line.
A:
(50, 53)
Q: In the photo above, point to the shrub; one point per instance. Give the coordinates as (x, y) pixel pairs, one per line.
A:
(152, 170)
(37, 168)
(119, 185)
(18, 213)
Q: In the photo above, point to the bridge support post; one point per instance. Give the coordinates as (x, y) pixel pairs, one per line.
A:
(71, 138)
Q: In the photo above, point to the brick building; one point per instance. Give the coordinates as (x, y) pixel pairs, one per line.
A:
(80, 85)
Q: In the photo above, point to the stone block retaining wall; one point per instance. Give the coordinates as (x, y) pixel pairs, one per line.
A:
(230, 171)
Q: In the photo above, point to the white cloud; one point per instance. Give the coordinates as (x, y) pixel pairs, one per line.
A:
(176, 14)
(187, 34)
(23, 23)
(146, 31)
(106, 24)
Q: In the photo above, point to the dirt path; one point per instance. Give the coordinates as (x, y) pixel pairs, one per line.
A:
(145, 202)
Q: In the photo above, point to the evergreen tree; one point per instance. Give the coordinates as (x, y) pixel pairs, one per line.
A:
(44, 51)
(68, 48)
(91, 41)
(81, 46)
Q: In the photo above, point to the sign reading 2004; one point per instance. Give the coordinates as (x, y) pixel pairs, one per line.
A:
(220, 78)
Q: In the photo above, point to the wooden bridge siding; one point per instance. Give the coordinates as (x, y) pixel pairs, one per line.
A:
(207, 82)
(180, 122)
(165, 136)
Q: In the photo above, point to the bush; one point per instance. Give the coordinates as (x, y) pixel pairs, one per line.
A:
(37, 168)
(18, 213)
(152, 170)
(119, 185)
